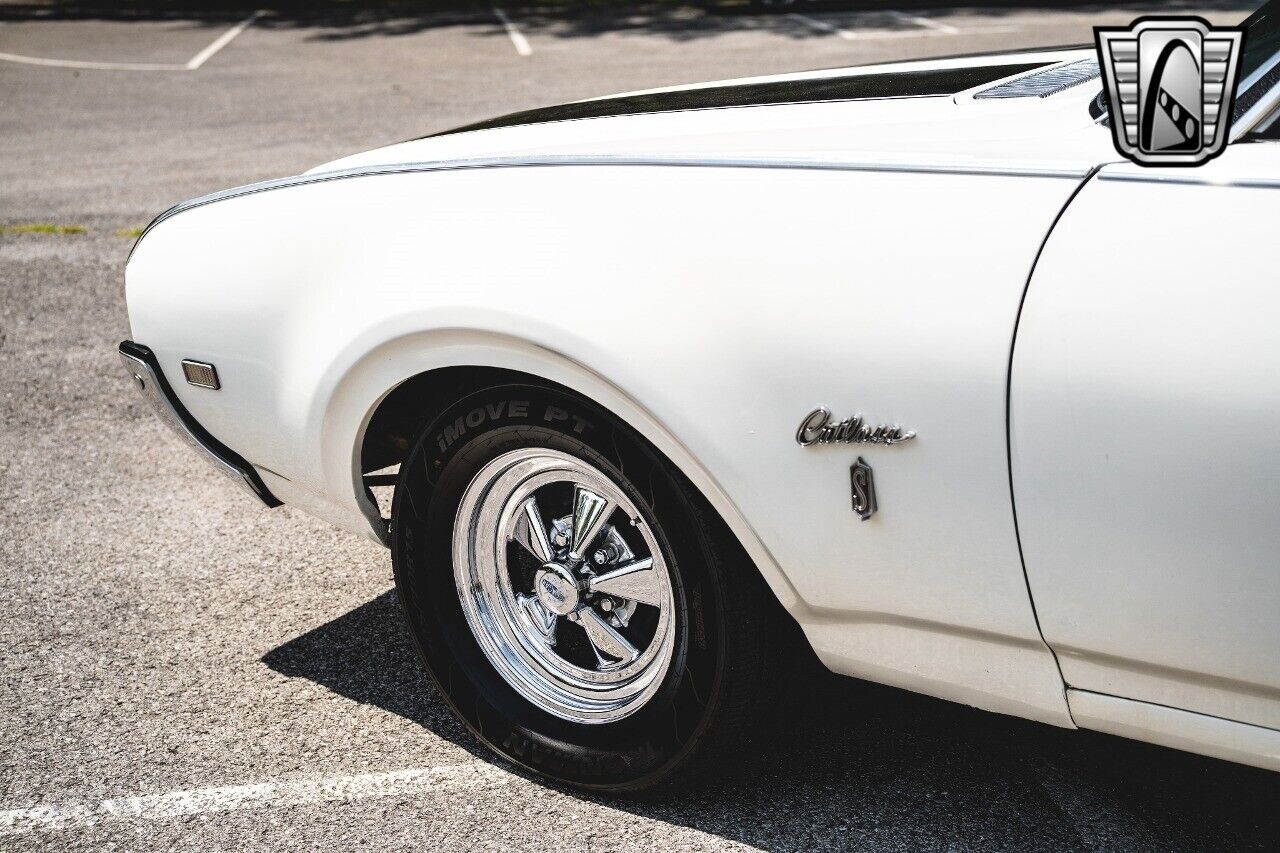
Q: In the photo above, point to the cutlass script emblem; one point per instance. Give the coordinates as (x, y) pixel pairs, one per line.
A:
(818, 428)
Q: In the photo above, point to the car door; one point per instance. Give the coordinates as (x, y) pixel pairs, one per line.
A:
(1145, 436)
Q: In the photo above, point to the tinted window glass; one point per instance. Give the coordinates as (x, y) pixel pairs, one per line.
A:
(1261, 38)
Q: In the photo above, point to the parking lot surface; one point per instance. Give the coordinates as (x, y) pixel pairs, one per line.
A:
(182, 670)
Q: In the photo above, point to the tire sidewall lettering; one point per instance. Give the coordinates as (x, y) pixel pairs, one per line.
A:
(451, 431)
(592, 755)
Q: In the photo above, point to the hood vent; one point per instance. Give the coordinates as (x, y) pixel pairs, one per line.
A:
(1042, 84)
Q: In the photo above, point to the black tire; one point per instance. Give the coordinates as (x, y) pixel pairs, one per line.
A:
(732, 640)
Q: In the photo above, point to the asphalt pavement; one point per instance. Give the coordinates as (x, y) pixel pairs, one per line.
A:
(180, 669)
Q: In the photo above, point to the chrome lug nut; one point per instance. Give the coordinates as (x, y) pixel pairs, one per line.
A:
(607, 554)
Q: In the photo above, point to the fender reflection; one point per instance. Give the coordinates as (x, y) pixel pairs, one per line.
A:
(817, 428)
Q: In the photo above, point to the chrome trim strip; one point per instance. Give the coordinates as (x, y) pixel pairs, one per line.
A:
(729, 162)
(1258, 74)
(1256, 114)
(149, 378)
(1191, 180)
(1264, 124)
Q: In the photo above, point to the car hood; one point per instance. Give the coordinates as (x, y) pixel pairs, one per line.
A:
(934, 114)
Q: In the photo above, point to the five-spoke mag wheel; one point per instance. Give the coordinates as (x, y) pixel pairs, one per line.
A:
(576, 601)
(564, 585)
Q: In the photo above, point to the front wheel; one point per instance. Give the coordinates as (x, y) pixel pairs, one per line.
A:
(573, 598)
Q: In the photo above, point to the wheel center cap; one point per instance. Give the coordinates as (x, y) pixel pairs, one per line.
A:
(556, 589)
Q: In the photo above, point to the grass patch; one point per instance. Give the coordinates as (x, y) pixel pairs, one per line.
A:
(130, 233)
(42, 228)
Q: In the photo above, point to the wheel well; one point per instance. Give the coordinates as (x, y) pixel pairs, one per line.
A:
(414, 403)
(411, 406)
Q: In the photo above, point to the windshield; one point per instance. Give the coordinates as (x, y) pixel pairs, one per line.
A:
(1261, 39)
(1258, 73)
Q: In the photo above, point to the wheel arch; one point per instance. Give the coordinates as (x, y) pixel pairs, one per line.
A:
(394, 391)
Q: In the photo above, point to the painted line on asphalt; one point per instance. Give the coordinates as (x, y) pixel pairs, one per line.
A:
(397, 783)
(878, 35)
(94, 66)
(195, 62)
(816, 24)
(223, 40)
(517, 38)
(927, 23)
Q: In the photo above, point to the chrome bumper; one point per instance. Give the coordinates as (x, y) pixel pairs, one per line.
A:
(149, 378)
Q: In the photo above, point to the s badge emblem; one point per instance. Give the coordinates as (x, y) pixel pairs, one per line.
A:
(1170, 86)
(864, 489)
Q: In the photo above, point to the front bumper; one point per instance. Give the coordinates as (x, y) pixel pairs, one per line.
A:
(145, 369)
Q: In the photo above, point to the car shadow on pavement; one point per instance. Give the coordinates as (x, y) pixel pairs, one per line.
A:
(860, 766)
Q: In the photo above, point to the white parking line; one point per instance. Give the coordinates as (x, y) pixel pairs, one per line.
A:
(517, 38)
(223, 40)
(95, 66)
(933, 29)
(397, 783)
(927, 23)
(196, 61)
(848, 35)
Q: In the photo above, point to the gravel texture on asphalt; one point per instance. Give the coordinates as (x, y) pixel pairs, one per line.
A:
(159, 633)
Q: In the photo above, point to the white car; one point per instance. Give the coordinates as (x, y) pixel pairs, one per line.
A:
(902, 364)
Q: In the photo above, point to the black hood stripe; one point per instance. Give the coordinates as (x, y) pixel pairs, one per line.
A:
(897, 84)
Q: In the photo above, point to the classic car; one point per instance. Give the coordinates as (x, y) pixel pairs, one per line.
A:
(902, 368)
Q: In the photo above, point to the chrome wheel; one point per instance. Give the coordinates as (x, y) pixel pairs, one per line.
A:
(564, 586)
